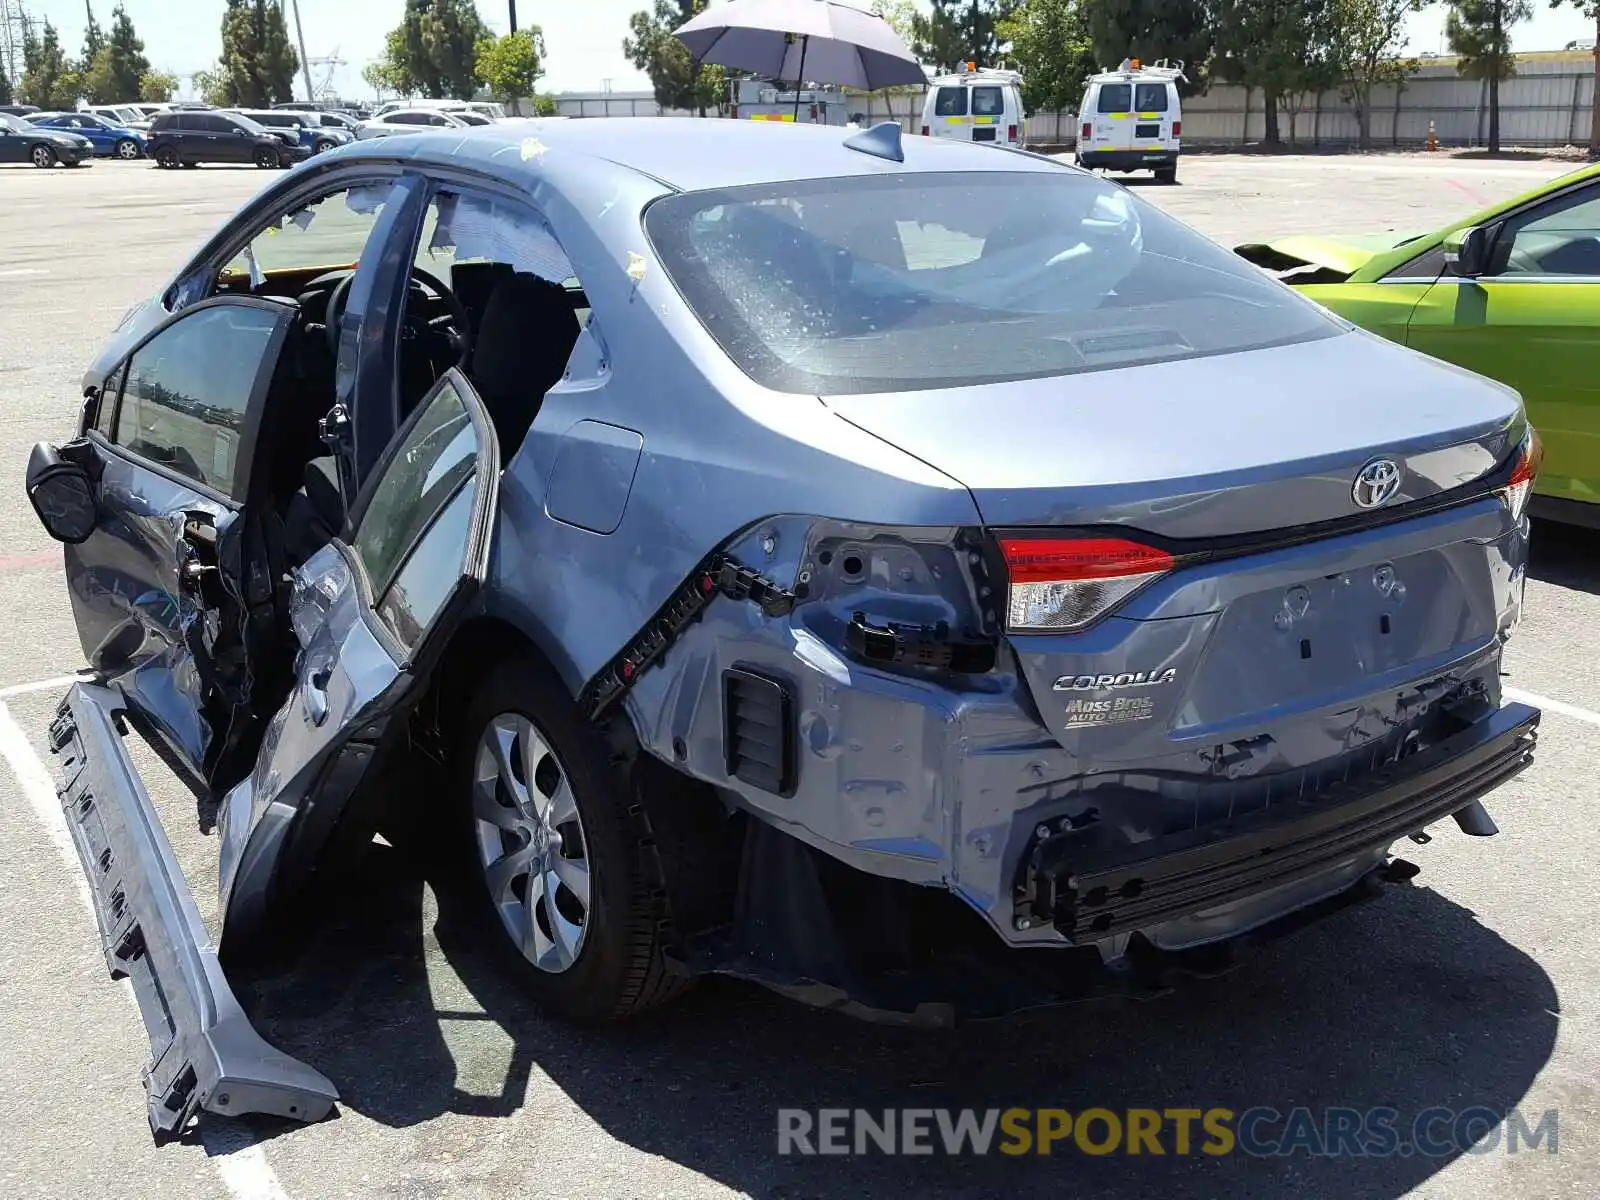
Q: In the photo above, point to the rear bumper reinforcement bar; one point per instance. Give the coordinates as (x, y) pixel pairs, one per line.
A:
(1093, 895)
(204, 1052)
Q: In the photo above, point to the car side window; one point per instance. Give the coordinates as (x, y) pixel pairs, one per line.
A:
(411, 535)
(407, 118)
(438, 119)
(326, 234)
(188, 391)
(1559, 237)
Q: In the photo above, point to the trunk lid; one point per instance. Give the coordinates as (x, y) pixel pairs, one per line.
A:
(1205, 447)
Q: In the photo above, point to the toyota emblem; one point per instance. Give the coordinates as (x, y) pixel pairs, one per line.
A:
(1376, 483)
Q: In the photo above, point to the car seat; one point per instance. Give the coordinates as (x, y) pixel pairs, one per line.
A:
(520, 352)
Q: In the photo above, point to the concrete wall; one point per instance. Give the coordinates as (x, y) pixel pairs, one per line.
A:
(1547, 103)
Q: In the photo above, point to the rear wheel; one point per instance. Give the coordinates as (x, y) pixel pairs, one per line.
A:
(43, 156)
(266, 157)
(1167, 174)
(167, 157)
(127, 149)
(323, 146)
(556, 866)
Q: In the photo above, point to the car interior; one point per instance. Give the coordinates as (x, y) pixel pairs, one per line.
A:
(483, 296)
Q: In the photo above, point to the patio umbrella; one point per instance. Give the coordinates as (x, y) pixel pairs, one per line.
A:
(820, 40)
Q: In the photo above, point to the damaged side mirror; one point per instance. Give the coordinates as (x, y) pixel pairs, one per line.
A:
(62, 494)
(1466, 251)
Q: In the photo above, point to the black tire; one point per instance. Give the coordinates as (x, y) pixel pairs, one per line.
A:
(167, 158)
(1167, 174)
(620, 969)
(42, 156)
(127, 149)
(191, 166)
(266, 158)
(323, 146)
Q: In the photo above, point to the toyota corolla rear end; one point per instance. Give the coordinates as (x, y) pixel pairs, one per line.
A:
(1226, 620)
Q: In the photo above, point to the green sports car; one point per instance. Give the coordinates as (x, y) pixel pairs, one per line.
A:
(1512, 292)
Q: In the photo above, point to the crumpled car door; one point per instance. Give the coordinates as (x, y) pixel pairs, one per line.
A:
(370, 613)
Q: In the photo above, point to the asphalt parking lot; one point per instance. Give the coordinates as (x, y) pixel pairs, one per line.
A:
(1479, 986)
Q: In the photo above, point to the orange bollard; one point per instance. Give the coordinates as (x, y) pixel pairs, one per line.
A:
(1433, 139)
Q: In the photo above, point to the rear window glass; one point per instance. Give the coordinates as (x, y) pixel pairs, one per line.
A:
(950, 102)
(1150, 97)
(1115, 97)
(988, 102)
(904, 282)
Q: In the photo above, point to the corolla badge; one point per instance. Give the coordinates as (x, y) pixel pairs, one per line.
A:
(1105, 683)
(1376, 483)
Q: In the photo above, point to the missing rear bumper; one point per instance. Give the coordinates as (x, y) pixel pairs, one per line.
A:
(1095, 895)
(204, 1053)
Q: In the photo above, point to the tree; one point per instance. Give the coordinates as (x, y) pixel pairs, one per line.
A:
(48, 79)
(441, 40)
(1480, 37)
(211, 85)
(1365, 37)
(1279, 46)
(676, 78)
(157, 87)
(545, 106)
(1180, 30)
(1050, 44)
(5, 86)
(510, 66)
(258, 60)
(1590, 9)
(391, 72)
(94, 38)
(901, 16)
(958, 31)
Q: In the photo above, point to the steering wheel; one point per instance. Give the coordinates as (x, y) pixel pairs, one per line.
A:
(455, 324)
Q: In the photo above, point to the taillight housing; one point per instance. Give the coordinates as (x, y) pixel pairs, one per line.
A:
(1177, 129)
(1062, 584)
(925, 131)
(1087, 131)
(1011, 133)
(1520, 486)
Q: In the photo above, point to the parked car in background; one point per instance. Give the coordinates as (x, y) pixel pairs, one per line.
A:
(312, 135)
(110, 140)
(410, 120)
(127, 115)
(188, 138)
(1512, 292)
(670, 596)
(483, 108)
(18, 110)
(22, 141)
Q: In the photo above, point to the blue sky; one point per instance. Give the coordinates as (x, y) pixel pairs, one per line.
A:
(584, 37)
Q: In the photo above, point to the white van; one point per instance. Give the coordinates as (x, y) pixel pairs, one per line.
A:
(1132, 118)
(975, 105)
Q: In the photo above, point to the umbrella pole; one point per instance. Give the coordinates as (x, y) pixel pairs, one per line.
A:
(800, 83)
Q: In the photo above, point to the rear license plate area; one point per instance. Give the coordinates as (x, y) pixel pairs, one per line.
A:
(1147, 131)
(983, 135)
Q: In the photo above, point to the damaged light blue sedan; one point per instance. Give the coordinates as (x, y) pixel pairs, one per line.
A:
(920, 577)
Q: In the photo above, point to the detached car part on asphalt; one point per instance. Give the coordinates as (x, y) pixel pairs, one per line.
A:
(838, 562)
(1512, 292)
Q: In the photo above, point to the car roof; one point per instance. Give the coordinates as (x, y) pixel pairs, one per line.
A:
(688, 153)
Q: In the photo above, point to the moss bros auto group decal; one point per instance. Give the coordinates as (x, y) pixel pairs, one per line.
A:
(1089, 709)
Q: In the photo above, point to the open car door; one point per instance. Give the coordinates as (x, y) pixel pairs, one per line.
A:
(370, 612)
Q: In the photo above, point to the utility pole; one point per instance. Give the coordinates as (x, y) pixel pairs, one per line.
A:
(305, 62)
(513, 4)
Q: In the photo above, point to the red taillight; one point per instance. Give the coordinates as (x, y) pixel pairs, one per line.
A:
(1064, 584)
(1520, 485)
(1011, 133)
(1177, 129)
(1088, 131)
(925, 131)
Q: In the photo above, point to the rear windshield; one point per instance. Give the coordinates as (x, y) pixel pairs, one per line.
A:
(1150, 97)
(988, 102)
(902, 282)
(1116, 97)
(950, 102)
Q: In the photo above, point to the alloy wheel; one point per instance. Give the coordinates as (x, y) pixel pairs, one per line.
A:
(265, 157)
(43, 156)
(531, 843)
(127, 150)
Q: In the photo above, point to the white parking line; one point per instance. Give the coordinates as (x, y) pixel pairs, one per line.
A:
(1561, 707)
(240, 1162)
(39, 685)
